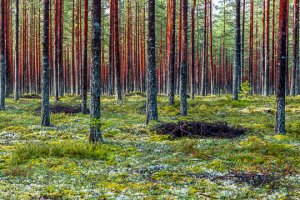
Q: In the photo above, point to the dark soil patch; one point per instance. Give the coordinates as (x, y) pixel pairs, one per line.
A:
(30, 96)
(199, 129)
(64, 109)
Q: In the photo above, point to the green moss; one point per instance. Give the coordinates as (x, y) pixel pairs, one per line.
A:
(72, 149)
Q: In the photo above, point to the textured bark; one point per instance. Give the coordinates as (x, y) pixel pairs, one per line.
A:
(294, 78)
(151, 108)
(281, 67)
(84, 65)
(2, 57)
(16, 73)
(273, 64)
(204, 65)
(111, 48)
(237, 63)
(211, 49)
(45, 69)
(251, 48)
(193, 84)
(95, 134)
(267, 52)
(117, 52)
(183, 64)
(243, 45)
(73, 50)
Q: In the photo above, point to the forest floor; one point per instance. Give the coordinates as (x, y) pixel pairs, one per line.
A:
(136, 163)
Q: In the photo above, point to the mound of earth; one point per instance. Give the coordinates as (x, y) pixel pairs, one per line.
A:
(199, 129)
(60, 108)
(30, 96)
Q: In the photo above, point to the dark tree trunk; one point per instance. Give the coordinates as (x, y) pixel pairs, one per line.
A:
(294, 80)
(45, 69)
(95, 134)
(237, 63)
(2, 57)
(84, 65)
(16, 83)
(151, 109)
(281, 67)
(183, 64)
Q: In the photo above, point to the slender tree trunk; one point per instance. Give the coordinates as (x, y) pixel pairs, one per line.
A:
(251, 49)
(2, 57)
(183, 64)
(204, 65)
(117, 51)
(95, 134)
(16, 83)
(237, 63)
(281, 67)
(193, 49)
(211, 50)
(267, 61)
(294, 82)
(84, 66)
(243, 45)
(45, 70)
(151, 108)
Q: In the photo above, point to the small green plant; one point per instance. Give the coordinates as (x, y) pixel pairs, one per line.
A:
(245, 89)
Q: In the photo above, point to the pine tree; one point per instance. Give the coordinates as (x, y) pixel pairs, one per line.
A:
(45, 69)
(151, 108)
(95, 134)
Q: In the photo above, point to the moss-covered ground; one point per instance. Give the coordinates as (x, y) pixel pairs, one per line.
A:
(135, 163)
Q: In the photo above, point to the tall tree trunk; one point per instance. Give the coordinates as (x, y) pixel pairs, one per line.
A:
(183, 64)
(16, 83)
(95, 134)
(281, 67)
(237, 63)
(45, 70)
(204, 65)
(193, 49)
(251, 49)
(211, 49)
(243, 45)
(294, 80)
(84, 65)
(267, 60)
(151, 108)
(111, 48)
(2, 57)
(117, 52)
